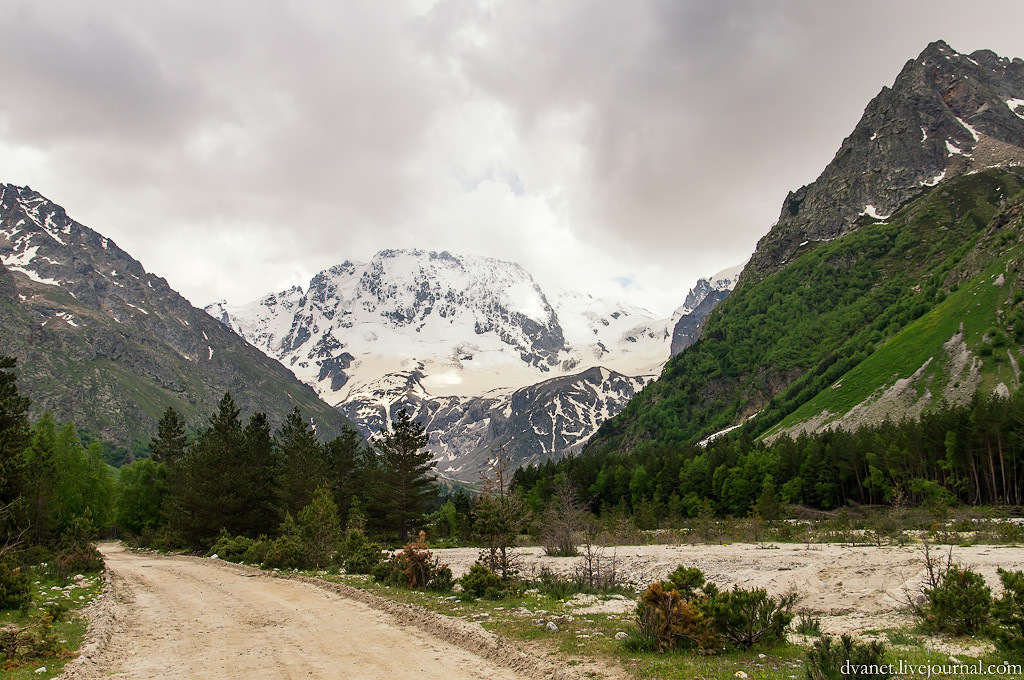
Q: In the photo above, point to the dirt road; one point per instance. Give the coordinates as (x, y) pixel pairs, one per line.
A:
(179, 617)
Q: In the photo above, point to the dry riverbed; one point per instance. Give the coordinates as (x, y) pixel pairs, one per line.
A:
(187, 617)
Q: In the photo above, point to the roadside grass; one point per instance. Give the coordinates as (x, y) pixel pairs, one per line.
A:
(49, 593)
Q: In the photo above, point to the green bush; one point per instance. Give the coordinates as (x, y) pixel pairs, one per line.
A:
(687, 610)
(359, 555)
(554, 585)
(749, 617)
(77, 551)
(480, 581)
(15, 591)
(231, 548)
(1008, 612)
(846, 659)
(960, 603)
(286, 551)
(807, 624)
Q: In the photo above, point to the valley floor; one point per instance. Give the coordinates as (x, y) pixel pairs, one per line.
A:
(187, 617)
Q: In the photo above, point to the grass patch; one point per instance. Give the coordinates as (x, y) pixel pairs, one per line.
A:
(64, 599)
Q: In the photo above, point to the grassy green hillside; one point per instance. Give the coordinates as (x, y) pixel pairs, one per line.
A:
(845, 320)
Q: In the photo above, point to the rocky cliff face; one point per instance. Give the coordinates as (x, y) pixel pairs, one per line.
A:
(946, 114)
(688, 320)
(105, 344)
(544, 421)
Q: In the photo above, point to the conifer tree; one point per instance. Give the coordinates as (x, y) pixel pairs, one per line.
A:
(14, 430)
(302, 461)
(405, 482)
(257, 477)
(168, 447)
(320, 528)
(205, 488)
(345, 456)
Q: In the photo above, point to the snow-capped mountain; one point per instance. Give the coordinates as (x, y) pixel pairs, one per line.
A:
(547, 420)
(468, 324)
(471, 346)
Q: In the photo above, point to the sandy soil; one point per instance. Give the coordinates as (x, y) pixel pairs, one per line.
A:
(852, 589)
(181, 617)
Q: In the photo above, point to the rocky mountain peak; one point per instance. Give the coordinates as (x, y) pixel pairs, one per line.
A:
(946, 114)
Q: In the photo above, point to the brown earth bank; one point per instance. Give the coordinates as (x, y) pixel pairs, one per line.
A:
(187, 617)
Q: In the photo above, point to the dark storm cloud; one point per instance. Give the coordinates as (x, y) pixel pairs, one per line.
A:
(648, 141)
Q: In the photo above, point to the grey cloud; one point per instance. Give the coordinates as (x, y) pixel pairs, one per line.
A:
(658, 135)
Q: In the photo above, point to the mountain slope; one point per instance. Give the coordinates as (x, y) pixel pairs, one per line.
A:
(688, 320)
(468, 324)
(105, 344)
(853, 266)
(539, 422)
(471, 346)
(946, 114)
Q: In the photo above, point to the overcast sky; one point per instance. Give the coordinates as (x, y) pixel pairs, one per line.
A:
(620, 148)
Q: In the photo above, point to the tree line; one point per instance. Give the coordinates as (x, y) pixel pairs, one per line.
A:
(232, 475)
(971, 454)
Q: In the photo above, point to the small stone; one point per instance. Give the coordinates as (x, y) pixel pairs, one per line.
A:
(621, 635)
(954, 660)
(741, 675)
(552, 626)
(40, 670)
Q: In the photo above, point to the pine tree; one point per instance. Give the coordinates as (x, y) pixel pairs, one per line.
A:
(320, 528)
(405, 485)
(40, 470)
(302, 460)
(258, 479)
(14, 430)
(205, 490)
(347, 469)
(168, 447)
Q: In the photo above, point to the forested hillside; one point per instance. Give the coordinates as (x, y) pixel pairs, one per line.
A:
(848, 319)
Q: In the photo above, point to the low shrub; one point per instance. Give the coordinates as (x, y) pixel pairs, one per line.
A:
(416, 568)
(359, 555)
(231, 548)
(807, 624)
(1008, 613)
(77, 551)
(749, 617)
(480, 581)
(686, 610)
(846, 659)
(960, 603)
(15, 590)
